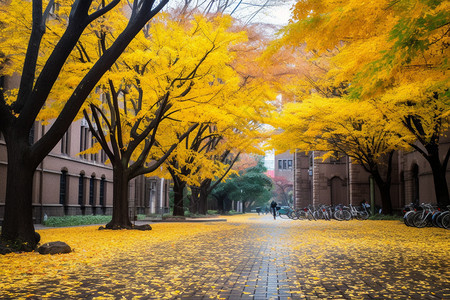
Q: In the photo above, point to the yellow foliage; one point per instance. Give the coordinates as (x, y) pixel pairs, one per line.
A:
(380, 258)
(389, 57)
(357, 129)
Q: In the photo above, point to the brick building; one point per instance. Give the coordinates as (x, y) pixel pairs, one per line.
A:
(69, 184)
(283, 177)
(338, 181)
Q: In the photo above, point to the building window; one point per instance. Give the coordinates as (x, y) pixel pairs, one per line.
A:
(284, 164)
(103, 156)
(65, 143)
(84, 140)
(92, 191)
(81, 190)
(94, 155)
(102, 191)
(63, 187)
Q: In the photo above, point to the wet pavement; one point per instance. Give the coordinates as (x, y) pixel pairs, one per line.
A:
(256, 257)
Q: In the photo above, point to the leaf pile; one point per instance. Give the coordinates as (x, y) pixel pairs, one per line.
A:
(248, 255)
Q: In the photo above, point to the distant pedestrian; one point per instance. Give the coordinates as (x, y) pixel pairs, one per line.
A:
(258, 210)
(273, 208)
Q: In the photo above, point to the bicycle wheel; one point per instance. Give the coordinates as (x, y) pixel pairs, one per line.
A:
(347, 215)
(357, 215)
(301, 214)
(284, 216)
(419, 220)
(445, 221)
(434, 218)
(363, 215)
(338, 215)
(310, 216)
(293, 215)
(406, 216)
(410, 217)
(438, 219)
(318, 214)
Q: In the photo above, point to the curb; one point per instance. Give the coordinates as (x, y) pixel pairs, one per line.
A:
(187, 221)
(139, 222)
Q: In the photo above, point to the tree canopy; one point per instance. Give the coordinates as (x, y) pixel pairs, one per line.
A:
(251, 186)
(388, 57)
(42, 42)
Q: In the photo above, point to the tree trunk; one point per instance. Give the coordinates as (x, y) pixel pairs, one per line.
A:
(385, 191)
(203, 202)
(18, 224)
(178, 190)
(220, 204)
(439, 174)
(120, 217)
(204, 193)
(194, 200)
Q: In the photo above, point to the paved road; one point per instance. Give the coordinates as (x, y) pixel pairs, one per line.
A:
(274, 259)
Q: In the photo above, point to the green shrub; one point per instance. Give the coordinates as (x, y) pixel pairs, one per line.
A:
(141, 217)
(76, 220)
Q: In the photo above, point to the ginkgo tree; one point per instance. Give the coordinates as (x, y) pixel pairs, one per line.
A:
(250, 186)
(207, 159)
(227, 150)
(194, 165)
(230, 126)
(51, 35)
(337, 125)
(200, 191)
(210, 152)
(173, 79)
(393, 53)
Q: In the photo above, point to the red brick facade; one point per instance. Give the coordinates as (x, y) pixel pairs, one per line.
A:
(341, 182)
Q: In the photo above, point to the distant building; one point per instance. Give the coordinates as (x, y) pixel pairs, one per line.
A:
(284, 166)
(338, 181)
(283, 177)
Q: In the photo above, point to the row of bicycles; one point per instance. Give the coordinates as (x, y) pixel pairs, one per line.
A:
(325, 212)
(426, 215)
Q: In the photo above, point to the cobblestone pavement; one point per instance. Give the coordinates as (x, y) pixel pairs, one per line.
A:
(276, 259)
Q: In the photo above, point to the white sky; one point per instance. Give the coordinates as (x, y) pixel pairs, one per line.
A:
(278, 16)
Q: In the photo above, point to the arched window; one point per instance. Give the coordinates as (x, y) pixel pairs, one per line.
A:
(63, 187)
(102, 191)
(81, 183)
(92, 190)
(65, 143)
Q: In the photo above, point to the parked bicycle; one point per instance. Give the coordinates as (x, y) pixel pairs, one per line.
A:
(324, 212)
(303, 214)
(285, 212)
(342, 213)
(359, 212)
(426, 215)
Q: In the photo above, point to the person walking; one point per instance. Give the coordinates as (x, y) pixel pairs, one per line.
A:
(273, 208)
